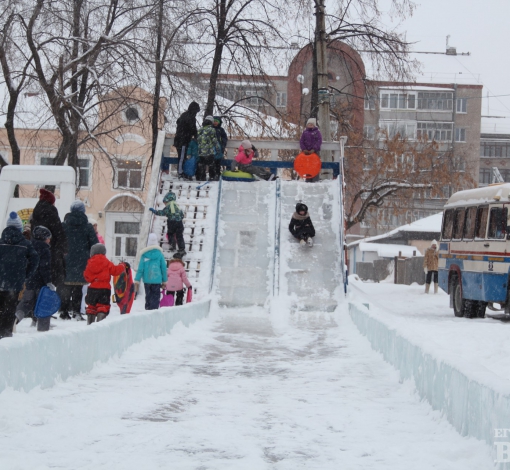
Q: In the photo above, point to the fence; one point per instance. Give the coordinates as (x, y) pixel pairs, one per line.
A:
(405, 270)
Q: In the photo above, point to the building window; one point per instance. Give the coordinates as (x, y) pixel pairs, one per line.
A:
(370, 102)
(441, 101)
(485, 176)
(460, 134)
(83, 171)
(126, 238)
(495, 149)
(128, 174)
(132, 114)
(438, 131)
(254, 97)
(405, 129)
(281, 99)
(369, 132)
(397, 101)
(462, 105)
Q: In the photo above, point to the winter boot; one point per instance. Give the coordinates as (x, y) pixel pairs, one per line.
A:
(78, 316)
(435, 287)
(172, 247)
(90, 318)
(101, 316)
(65, 316)
(309, 242)
(427, 288)
(302, 242)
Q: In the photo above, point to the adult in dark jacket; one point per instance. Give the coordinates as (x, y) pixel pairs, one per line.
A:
(186, 130)
(81, 236)
(46, 214)
(18, 262)
(41, 239)
(301, 225)
(223, 140)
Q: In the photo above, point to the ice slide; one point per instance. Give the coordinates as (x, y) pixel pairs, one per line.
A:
(257, 256)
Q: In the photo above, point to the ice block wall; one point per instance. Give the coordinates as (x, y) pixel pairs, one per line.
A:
(43, 359)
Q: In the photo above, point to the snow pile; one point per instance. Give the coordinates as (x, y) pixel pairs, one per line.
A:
(469, 397)
(43, 359)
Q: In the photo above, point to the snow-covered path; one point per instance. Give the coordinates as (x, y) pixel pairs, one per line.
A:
(237, 391)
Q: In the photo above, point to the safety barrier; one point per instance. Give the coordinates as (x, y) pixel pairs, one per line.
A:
(43, 359)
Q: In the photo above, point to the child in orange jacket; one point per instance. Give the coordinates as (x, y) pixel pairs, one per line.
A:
(98, 272)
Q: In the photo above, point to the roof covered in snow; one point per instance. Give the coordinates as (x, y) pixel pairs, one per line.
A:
(429, 227)
(499, 192)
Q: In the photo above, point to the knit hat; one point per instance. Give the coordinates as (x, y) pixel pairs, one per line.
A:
(209, 118)
(434, 242)
(153, 239)
(312, 121)
(98, 249)
(78, 206)
(92, 221)
(14, 221)
(218, 119)
(41, 233)
(246, 144)
(47, 196)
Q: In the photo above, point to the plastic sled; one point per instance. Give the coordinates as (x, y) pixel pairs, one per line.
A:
(124, 290)
(47, 304)
(167, 300)
(189, 296)
(237, 176)
(190, 167)
(307, 166)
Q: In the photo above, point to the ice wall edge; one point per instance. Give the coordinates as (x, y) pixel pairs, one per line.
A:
(42, 360)
(473, 409)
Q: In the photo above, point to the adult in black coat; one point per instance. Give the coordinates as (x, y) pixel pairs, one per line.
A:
(81, 236)
(223, 140)
(301, 225)
(46, 214)
(186, 130)
(41, 239)
(18, 261)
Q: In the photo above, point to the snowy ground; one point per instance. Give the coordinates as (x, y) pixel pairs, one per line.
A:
(479, 348)
(240, 390)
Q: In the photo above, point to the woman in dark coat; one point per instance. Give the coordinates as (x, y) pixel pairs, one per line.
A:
(45, 213)
(81, 236)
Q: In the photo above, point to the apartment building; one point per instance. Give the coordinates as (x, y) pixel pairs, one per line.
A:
(494, 153)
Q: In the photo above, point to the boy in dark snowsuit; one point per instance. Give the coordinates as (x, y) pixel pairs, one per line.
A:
(174, 217)
(18, 262)
(41, 239)
(222, 137)
(301, 225)
(98, 272)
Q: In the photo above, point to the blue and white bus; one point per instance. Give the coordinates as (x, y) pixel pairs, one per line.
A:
(474, 251)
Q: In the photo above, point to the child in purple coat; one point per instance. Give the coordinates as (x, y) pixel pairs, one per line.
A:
(311, 138)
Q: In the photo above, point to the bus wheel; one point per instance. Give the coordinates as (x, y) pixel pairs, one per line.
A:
(457, 301)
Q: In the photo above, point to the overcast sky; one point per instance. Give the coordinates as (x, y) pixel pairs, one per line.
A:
(479, 27)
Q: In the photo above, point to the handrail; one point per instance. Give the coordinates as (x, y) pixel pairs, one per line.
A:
(216, 224)
(277, 218)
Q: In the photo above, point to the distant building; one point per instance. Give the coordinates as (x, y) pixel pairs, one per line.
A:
(494, 152)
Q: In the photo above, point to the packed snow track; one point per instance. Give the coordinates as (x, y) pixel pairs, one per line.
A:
(241, 389)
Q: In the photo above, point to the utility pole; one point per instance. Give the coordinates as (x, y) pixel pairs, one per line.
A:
(322, 81)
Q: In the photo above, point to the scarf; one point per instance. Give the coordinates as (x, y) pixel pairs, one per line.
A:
(173, 207)
(299, 216)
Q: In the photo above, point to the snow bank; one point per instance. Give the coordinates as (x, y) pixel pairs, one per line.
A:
(473, 408)
(41, 360)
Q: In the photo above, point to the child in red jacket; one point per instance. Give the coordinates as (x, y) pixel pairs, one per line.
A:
(98, 272)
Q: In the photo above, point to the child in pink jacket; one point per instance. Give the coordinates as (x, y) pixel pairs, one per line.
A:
(176, 278)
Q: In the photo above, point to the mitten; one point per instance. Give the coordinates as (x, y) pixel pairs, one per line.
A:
(152, 210)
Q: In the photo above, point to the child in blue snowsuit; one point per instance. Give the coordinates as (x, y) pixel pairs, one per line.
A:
(174, 217)
(152, 269)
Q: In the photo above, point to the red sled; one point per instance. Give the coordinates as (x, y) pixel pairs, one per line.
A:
(167, 300)
(189, 296)
(124, 290)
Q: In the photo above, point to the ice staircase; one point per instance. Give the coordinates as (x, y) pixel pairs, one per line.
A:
(199, 207)
(257, 256)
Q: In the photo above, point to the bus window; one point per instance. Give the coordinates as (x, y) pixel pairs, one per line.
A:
(447, 225)
(469, 224)
(497, 223)
(458, 223)
(482, 214)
